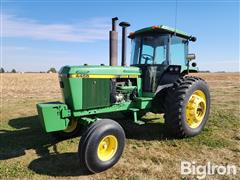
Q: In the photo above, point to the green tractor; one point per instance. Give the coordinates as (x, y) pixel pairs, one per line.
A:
(155, 81)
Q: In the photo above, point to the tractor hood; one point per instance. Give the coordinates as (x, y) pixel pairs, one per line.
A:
(88, 87)
(99, 70)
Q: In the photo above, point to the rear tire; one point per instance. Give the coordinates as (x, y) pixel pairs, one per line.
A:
(101, 146)
(187, 107)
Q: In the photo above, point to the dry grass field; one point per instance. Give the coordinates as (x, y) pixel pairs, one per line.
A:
(26, 152)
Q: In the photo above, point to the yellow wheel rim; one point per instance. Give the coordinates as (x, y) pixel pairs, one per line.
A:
(71, 126)
(107, 148)
(196, 109)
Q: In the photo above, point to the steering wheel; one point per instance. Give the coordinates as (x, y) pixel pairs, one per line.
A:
(147, 57)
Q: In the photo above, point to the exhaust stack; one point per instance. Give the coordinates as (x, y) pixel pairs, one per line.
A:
(124, 25)
(113, 44)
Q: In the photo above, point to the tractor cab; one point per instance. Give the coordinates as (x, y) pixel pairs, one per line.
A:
(162, 55)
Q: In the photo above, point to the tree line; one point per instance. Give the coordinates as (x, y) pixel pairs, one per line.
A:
(51, 70)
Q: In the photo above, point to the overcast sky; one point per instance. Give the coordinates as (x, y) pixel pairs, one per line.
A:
(37, 35)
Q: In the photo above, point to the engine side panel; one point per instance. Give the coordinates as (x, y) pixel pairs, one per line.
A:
(96, 93)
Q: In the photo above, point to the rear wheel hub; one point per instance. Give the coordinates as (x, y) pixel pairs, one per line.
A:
(196, 109)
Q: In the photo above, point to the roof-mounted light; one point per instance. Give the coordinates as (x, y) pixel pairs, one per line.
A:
(131, 33)
(155, 27)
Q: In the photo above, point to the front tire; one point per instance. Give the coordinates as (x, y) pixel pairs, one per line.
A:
(187, 107)
(74, 129)
(101, 146)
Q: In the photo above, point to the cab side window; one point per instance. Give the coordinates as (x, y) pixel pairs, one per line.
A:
(178, 51)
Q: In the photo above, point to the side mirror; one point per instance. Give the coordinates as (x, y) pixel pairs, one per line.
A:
(191, 57)
(194, 64)
(193, 39)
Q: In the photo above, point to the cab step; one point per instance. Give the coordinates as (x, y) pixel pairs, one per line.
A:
(135, 111)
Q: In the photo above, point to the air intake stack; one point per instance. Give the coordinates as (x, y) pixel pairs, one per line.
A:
(124, 25)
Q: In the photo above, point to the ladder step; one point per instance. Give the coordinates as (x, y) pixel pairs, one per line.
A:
(134, 109)
(139, 122)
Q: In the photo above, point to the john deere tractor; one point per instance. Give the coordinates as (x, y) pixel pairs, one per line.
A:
(156, 81)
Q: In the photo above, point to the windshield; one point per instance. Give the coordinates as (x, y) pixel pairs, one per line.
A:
(149, 49)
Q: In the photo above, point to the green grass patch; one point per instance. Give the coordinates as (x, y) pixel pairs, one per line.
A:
(16, 169)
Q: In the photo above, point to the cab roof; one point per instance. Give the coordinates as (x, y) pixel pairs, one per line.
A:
(160, 29)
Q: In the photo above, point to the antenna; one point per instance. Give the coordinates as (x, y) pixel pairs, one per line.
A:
(176, 9)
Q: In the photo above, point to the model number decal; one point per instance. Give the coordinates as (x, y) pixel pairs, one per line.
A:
(104, 76)
(83, 75)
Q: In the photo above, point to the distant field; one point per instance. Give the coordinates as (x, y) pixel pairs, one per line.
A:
(27, 152)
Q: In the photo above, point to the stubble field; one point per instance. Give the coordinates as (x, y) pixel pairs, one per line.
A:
(26, 152)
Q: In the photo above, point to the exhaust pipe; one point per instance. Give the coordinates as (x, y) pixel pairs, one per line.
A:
(124, 25)
(113, 44)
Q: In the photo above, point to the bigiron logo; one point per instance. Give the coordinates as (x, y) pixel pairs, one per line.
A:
(201, 171)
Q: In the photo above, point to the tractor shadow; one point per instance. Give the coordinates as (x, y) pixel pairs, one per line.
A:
(153, 129)
(28, 135)
(65, 164)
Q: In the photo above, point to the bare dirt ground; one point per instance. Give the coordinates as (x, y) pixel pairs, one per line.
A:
(26, 152)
